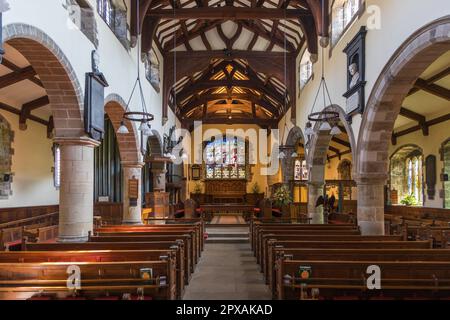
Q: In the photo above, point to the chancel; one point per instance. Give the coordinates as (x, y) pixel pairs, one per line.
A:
(224, 150)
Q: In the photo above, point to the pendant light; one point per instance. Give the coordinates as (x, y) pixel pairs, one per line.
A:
(144, 117)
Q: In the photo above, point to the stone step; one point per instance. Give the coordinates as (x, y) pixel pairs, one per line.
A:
(227, 240)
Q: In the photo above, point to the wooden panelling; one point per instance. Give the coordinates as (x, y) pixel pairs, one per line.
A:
(111, 212)
(419, 212)
(19, 213)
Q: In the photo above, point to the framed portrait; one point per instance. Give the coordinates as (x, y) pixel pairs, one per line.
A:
(195, 172)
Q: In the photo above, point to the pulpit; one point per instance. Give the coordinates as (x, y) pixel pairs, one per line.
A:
(159, 203)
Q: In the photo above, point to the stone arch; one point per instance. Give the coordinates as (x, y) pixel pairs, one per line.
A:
(383, 106)
(155, 144)
(317, 154)
(391, 88)
(115, 107)
(56, 74)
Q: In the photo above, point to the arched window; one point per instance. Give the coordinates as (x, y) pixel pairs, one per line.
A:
(342, 15)
(306, 69)
(226, 159)
(406, 176)
(300, 170)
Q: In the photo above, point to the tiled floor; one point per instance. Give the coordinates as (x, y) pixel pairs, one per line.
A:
(227, 272)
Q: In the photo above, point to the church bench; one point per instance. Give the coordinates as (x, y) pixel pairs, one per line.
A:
(194, 245)
(259, 226)
(182, 256)
(332, 272)
(99, 256)
(142, 229)
(23, 277)
(439, 235)
(263, 256)
(262, 235)
(186, 238)
(346, 254)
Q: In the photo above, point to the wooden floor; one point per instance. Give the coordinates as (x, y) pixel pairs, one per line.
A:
(227, 271)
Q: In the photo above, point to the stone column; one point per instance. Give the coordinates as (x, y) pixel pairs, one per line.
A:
(132, 211)
(315, 189)
(76, 193)
(287, 165)
(371, 205)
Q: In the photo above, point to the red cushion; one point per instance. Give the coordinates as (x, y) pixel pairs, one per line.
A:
(257, 209)
(276, 210)
(205, 235)
(180, 211)
(199, 210)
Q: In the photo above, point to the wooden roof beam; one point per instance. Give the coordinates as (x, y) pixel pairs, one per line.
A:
(228, 13)
(416, 117)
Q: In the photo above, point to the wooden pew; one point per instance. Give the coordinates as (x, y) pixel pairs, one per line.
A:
(163, 229)
(346, 254)
(95, 256)
(257, 227)
(328, 273)
(263, 234)
(23, 280)
(186, 238)
(264, 253)
(440, 235)
(182, 256)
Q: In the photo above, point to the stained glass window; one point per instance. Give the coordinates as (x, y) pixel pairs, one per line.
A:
(225, 159)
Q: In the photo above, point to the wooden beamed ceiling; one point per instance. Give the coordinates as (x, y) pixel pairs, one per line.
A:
(430, 87)
(231, 29)
(15, 76)
(230, 91)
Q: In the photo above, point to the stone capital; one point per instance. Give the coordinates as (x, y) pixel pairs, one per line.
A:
(315, 184)
(77, 141)
(132, 164)
(159, 171)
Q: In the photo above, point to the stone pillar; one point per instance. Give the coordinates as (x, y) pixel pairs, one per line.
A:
(76, 193)
(159, 179)
(132, 211)
(287, 165)
(315, 190)
(371, 205)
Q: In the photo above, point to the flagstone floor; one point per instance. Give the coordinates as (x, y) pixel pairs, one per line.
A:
(227, 271)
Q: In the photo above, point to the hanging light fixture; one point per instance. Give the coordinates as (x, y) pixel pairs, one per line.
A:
(144, 117)
(326, 120)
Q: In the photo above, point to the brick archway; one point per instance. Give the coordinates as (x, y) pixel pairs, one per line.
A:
(56, 74)
(128, 142)
(413, 57)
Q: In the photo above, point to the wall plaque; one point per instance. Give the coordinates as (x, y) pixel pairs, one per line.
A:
(430, 166)
(133, 191)
(356, 78)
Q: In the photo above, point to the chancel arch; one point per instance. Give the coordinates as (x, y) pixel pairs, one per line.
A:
(400, 78)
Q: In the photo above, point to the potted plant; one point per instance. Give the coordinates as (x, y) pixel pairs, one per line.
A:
(282, 199)
(409, 200)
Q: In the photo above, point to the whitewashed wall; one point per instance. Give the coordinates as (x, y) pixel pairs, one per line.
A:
(34, 186)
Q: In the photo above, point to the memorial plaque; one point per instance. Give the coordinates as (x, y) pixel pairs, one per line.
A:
(133, 188)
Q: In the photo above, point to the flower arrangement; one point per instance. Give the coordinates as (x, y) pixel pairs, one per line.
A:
(409, 200)
(282, 196)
